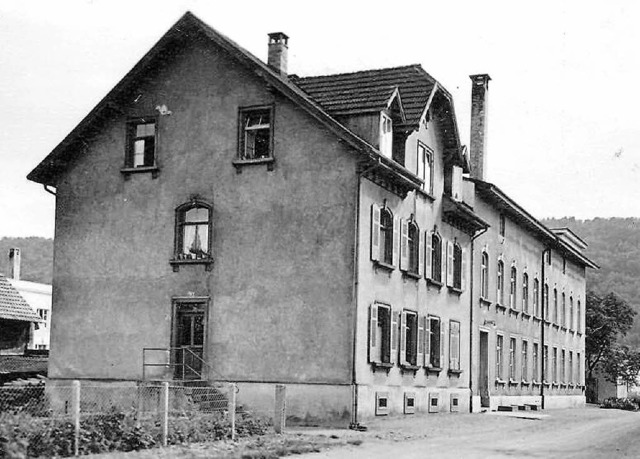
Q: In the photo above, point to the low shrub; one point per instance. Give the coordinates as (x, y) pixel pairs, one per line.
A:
(23, 435)
(621, 404)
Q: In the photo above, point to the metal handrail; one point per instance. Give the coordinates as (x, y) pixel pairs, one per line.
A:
(184, 366)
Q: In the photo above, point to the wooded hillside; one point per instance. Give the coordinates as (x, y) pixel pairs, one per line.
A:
(614, 244)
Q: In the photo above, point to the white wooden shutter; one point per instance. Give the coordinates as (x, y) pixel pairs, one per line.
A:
(465, 266)
(443, 260)
(421, 333)
(420, 252)
(454, 345)
(394, 336)
(396, 240)
(449, 264)
(442, 341)
(427, 342)
(403, 338)
(427, 255)
(404, 245)
(374, 339)
(375, 232)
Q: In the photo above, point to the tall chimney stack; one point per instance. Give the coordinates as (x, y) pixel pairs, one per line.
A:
(278, 52)
(479, 122)
(14, 260)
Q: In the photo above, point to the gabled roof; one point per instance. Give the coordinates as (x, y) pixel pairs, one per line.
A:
(370, 90)
(13, 306)
(189, 27)
(502, 202)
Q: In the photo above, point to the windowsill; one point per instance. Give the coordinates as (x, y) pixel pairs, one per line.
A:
(409, 367)
(384, 266)
(563, 328)
(536, 383)
(526, 315)
(500, 382)
(426, 194)
(556, 326)
(240, 163)
(207, 262)
(453, 371)
(431, 369)
(545, 383)
(412, 275)
(434, 282)
(573, 331)
(485, 302)
(514, 312)
(546, 322)
(385, 365)
(537, 319)
(524, 382)
(126, 171)
(579, 333)
(455, 290)
(555, 383)
(501, 308)
(513, 382)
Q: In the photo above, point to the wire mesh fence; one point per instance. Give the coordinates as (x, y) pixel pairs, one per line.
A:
(89, 414)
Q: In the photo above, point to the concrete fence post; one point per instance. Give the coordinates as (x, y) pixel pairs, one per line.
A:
(280, 408)
(164, 397)
(75, 413)
(233, 390)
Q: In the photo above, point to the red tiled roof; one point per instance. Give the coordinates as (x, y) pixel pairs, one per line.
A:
(23, 364)
(371, 90)
(13, 306)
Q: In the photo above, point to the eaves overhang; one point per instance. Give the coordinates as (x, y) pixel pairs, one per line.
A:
(460, 215)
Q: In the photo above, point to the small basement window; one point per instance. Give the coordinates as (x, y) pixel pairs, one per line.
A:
(382, 403)
(409, 403)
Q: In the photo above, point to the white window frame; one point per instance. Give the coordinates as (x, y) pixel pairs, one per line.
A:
(386, 135)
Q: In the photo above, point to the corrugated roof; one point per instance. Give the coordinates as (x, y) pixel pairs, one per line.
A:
(23, 364)
(370, 90)
(13, 306)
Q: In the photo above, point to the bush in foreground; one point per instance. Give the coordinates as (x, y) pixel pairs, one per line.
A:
(23, 435)
(628, 404)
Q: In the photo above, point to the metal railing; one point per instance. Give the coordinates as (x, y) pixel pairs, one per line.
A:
(190, 367)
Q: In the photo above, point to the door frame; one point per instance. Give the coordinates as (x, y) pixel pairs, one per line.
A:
(177, 300)
(483, 360)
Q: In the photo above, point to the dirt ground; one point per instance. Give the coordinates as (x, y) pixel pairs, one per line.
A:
(577, 433)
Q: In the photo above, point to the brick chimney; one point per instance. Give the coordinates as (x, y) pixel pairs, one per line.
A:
(14, 261)
(278, 52)
(479, 122)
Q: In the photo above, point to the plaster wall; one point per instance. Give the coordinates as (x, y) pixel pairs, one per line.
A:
(280, 291)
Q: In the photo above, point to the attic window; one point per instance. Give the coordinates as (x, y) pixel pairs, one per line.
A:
(386, 135)
(141, 143)
(255, 134)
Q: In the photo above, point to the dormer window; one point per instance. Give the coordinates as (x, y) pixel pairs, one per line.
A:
(386, 135)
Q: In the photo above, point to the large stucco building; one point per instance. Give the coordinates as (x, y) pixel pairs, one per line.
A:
(320, 232)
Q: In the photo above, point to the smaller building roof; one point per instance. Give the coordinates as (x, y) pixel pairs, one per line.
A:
(10, 364)
(13, 306)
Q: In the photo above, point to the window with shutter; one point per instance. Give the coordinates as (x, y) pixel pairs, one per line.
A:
(449, 264)
(395, 319)
(420, 252)
(421, 340)
(454, 345)
(457, 266)
(396, 240)
(427, 255)
(434, 342)
(443, 260)
(442, 341)
(374, 345)
(404, 245)
(403, 338)
(375, 232)
(411, 338)
(464, 268)
(386, 236)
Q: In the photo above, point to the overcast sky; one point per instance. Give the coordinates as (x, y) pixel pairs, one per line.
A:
(564, 131)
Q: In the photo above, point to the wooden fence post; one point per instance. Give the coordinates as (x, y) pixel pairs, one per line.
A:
(165, 412)
(232, 409)
(280, 408)
(75, 413)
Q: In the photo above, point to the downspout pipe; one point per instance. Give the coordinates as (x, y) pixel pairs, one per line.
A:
(545, 252)
(471, 322)
(356, 240)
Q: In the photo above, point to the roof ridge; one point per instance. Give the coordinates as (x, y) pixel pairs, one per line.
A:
(402, 67)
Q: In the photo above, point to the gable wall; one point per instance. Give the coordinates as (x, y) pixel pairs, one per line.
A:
(280, 288)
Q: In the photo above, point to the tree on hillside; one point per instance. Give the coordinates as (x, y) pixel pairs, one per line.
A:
(608, 318)
(622, 364)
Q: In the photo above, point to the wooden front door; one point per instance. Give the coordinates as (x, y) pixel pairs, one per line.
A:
(188, 340)
(483, 383)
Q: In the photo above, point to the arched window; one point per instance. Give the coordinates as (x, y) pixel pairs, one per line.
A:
(193, 231)
(500, 283)
(525, 293)
(571, 324)
(536, 297)
(563, 312)
(413, 243)
(386, 236)
(512, 288)
(436, 257)
(545, 301)
(555, 306)
(579, 315)
(457, 266)
(484, 276)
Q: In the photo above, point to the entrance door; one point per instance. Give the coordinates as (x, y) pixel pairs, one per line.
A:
(188, 340)
(483, 383)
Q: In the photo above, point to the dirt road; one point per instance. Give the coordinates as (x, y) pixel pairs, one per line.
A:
(577, 433)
